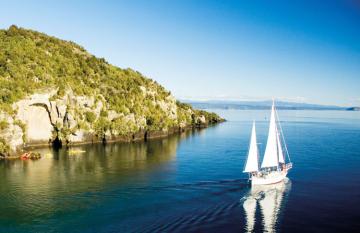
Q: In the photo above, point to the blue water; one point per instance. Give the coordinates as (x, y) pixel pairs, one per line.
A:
(193, 182)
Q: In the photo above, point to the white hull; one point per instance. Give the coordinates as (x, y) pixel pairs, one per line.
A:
(270, 178)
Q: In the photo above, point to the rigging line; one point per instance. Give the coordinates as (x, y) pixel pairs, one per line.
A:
(276, 139)
(277, 143)
(257, 155)
(282, 135)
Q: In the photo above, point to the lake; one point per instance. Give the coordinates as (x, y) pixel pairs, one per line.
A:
(193, 182)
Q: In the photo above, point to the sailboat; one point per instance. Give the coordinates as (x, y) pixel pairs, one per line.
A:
(273, 168)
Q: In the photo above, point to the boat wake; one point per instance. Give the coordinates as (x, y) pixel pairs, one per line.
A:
(201, 185)
(194, 222)
(206, 213)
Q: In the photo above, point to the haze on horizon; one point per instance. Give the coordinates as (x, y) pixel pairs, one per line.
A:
(305, 51)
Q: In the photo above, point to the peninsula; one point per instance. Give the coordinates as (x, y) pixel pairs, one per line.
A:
(54, 92)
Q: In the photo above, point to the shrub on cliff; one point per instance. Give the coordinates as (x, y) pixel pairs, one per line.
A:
(4, 148)
(90, 117)
(3, 125)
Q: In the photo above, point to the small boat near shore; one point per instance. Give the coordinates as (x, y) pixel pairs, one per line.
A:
(25, 156)
(274, 167)
(30, 155)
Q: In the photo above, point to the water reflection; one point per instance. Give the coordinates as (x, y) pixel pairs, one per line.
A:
(60, 182)
(270, 200)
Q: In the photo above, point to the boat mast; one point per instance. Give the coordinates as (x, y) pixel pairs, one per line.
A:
(271, 151)
(281, 158)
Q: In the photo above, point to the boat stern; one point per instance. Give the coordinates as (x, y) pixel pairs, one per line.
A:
(270, 178)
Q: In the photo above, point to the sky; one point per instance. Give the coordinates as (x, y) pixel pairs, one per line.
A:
(303, 51)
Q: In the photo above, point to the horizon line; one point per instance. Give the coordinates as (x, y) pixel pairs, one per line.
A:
(286, 100)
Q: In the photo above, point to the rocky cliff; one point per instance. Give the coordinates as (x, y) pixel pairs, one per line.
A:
(54, 91)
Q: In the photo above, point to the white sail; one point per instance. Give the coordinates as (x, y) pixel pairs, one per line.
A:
(280, 151)
(252, 160)
(271, 152)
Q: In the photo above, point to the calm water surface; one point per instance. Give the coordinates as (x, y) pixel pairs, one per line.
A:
(193, 182)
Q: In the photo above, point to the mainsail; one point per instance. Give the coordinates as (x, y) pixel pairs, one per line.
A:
(252, 160)
(271, 152)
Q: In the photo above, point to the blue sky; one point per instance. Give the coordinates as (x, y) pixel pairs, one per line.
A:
(292, 50)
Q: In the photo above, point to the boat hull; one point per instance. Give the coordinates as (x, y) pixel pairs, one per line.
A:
(270, 178)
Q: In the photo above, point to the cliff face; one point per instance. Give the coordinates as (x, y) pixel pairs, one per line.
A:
(53, 91)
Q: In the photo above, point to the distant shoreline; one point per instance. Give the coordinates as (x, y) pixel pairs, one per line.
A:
(280, 109)
(265, 105)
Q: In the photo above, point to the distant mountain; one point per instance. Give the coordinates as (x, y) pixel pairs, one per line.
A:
(353, 109)
(225, 104)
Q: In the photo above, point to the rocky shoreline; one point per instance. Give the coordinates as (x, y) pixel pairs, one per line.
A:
(40, 120)
(142, 136)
